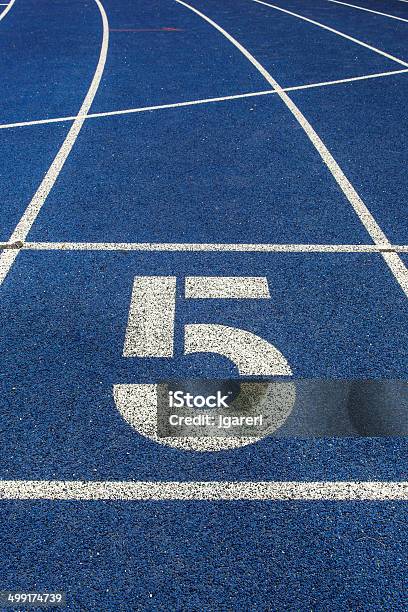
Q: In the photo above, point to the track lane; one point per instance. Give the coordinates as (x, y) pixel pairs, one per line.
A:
(30, 214)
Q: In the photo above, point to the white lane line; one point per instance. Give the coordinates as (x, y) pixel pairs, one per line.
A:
(226, 287)
(204, 490)
(362, 8)
(9, 6)
(150, 326)
(192, 247)
(342, 34)
(398, 269)
(7, 258)
(395, 264)
(142, 109)
(376, 75)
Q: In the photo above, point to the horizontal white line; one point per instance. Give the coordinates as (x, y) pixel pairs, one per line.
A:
(362, 8)
(187, 246)
(213, 491)
(142, 109)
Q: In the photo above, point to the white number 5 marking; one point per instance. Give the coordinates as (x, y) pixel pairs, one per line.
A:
(150, 333)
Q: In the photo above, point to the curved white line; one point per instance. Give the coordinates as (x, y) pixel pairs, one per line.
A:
(138, 406)
(392, 259)
(7, 258)
(9, 6)
(362, 8)
(342, 34)
(252, 355)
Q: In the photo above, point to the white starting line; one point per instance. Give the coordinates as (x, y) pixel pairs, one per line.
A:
(202, 491)
(198, 247)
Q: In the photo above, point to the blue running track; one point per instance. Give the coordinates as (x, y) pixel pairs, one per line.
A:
(191, 163)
